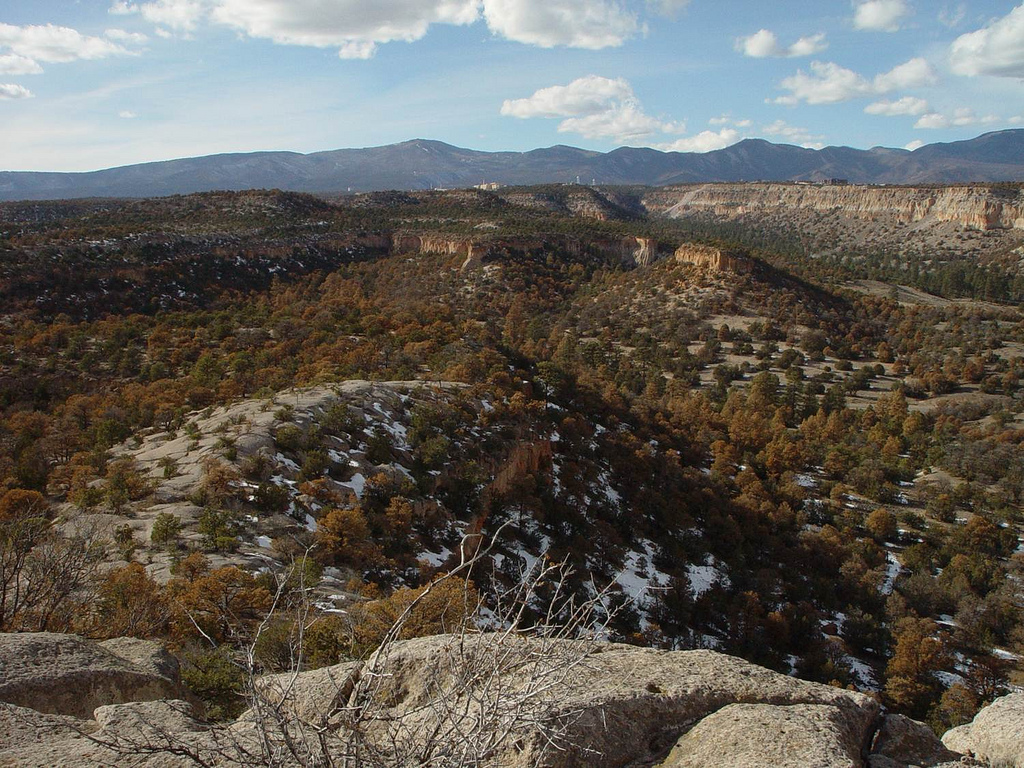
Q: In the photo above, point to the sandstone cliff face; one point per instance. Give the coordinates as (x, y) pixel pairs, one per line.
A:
(972, 207)
(630, 251)
(713, 259)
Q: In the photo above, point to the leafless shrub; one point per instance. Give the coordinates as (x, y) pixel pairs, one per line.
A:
(491, 689)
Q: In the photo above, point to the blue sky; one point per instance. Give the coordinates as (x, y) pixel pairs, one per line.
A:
(90, 84)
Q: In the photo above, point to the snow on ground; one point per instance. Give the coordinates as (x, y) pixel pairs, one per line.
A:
(263, 541)
(283, 460)
(438, 559)
(605, 483)
(357, 484)
(892, 570)
(310, 523)
(704, 577)
(638, 575)
(948, 679)
(864, 673)
(806, 481)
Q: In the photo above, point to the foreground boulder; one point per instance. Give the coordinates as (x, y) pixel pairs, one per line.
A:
(603, 705)
(996, 735)
(68, 675)
(484, 700)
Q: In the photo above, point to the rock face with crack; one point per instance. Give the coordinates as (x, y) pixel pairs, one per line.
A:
(66, 675)
(996, 735)
(524, 702)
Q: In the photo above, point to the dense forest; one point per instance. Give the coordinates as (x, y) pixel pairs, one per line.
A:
(824, 481)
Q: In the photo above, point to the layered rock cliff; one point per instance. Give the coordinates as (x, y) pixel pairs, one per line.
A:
(713, 259)
(981, 208)
(630, 251)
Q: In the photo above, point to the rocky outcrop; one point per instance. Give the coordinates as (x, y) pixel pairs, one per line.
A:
(996, 735)
(753, 735)
(630, 251)
(713, 259)
(972, 207)
(609, 705)
(67, 675)
(626, 706)
(646, 252)
(902, 741)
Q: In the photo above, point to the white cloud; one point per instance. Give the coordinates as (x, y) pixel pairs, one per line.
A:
(355, 27)
(829, 83)
(548, 23)
(127, 114)
(960, 117)
(179, 15)
(879, 15)
(129, 38)
(670, 8)
(910, 74)
(123, 8)
(915, 144)
(908, 105)
(705, 141)
(595, 107)
(729, 120)
(12, 91)
(951, 16)
(997, 49)
(1016, 120)
(764, 43)
(50, 43)
(792, 133)
(357, 49)
(13, 64)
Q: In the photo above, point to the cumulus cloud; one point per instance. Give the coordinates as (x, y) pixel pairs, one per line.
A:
(356, 27)
(54, 44)
(764, 43)
(13, 64)
(12, 91)
(997, 49)
(728, 120)
(594, 107)
(670, 8)
(908, 105)
(910, 74)
(179, 15)
(705, 141)
(960, 117)
(879, 15)
(123, 36)
(792, 133)
(549, 23)
(915, 144)
(829, 83)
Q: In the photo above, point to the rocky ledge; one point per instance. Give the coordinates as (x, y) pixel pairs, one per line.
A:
(486, 700)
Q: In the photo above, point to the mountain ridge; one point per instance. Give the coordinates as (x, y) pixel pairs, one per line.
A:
(426, 164)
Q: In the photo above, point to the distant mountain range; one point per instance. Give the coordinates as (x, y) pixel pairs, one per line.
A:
(422, 164)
